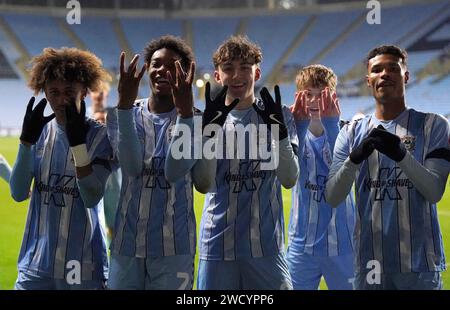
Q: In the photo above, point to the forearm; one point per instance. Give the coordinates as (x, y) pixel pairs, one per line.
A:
(178, 166)
(339, 184)
(204, 171)
(288, 167)
(92, 186)
(331, 125)
(302, 128)
(130, 151)
(430, 180)
(22, 174)
(5, 171)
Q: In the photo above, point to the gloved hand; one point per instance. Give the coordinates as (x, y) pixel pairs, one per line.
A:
(34, 121)
(388, 143)
(216, 111)
(362, 151)
(272, 113)
(76, 125)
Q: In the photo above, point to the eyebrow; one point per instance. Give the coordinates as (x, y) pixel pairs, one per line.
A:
(229, 63)
(173, 58)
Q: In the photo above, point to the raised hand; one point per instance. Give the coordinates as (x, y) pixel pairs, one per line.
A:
(329, 106)
(129, 82)
(362, 151)
(34, 121)
(388, 143)
(216, 110)
(299, 109)
(182, 89)
(76, 125)
(272, 113)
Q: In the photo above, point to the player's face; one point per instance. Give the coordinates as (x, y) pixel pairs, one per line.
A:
(387, 77)
(240, 76)
(61, 93)
(313, 100)
(98, 100)
(162, 60)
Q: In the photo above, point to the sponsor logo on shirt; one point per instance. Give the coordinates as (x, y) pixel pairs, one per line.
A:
(58, 186)
(153, 174)
(387, 184)
(249, 171)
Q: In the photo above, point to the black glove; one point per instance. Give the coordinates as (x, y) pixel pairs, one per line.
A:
(272, 113)
(76, 125)
(362, 151)
(388, 143)
(34, 121)
(216, 111)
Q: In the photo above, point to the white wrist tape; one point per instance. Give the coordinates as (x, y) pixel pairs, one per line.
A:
(80, 155)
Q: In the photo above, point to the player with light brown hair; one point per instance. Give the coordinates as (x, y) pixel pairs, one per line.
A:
(319, 236)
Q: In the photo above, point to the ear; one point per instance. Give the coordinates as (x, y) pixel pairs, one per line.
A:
(84, 93)
(257, 74)
(217, 76)
(406, 77)
(367, 81)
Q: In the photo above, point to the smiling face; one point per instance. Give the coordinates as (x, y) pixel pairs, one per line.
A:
(162, 60)
(240, 76)
(387, 76)
(61, 93)
(313, 100)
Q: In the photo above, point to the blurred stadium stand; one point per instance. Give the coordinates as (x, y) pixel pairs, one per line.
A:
(292, 34)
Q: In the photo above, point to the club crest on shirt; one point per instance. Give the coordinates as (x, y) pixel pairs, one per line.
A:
(307, 153)
(409, 142)
(327, 155)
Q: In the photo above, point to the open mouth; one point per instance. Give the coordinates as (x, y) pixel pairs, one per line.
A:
(385, 84)
(238, 86)
(162, 82)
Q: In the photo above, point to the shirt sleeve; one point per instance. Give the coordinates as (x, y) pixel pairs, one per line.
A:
(430, 179)
(331, 125)
(342, 171)
(5, 169)
(176, 168)
(92, 187)
(302, 128)
(22, 173)
(129, 149)
(288, 167)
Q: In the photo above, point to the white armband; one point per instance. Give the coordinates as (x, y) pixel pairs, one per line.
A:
(80, 155)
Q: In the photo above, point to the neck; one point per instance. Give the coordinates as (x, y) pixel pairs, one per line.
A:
(243, 104)
(160, 104)
(316, 127)
(387, 111)
(60, 119)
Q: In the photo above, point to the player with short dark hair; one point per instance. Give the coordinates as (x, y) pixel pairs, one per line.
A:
(391, 157)
(154, 239)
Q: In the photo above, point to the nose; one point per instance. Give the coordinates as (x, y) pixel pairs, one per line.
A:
(385, 73)
(235, 73)
(161, 70)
